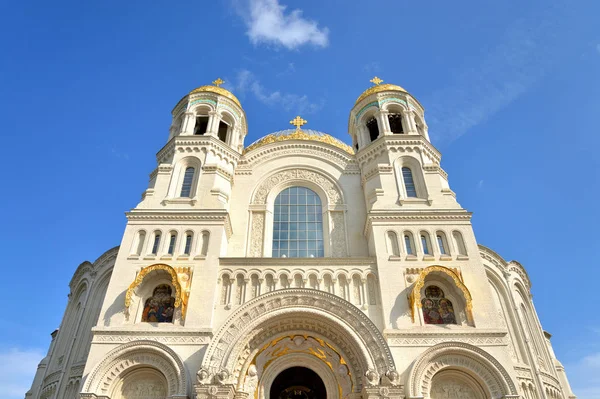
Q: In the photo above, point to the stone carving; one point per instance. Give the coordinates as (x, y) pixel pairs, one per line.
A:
(203, 376)
(146, 388)
(333, 194)
(372, 377)
(222, 376)
(257, 234)
(452, 390)
(392, 377)
(338, 235)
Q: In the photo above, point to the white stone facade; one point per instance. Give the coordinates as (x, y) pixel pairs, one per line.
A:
(238, 316)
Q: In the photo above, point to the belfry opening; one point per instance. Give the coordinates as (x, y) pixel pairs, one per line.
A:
(298, 383)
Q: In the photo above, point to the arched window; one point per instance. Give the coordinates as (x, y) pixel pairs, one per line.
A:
(409, 244)
(188, 243)
(159, 308)
(373, 129)
(442, 243)
(396, 123)
(298, 224)
(205, 239)
(188, 179)
(172, 241)
(393, 248)
(460, 244)
(156, 243)
(425, 244)
(436, 308)
(222, 132)
(140, 242)
(409, 183)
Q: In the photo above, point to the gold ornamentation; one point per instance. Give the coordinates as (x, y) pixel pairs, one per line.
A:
(415, 295)
(218, 82)
(376, 81)
(298, 122)
(300, 135)
(378, 88)
(180, 277)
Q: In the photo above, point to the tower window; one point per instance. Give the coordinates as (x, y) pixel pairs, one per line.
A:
(188, 244)
(172, 240)
(223, 128)
(201, 125)
(298, 224)
(425, 245)
(156, 243)
(373, 129)
(396, 123)
(409, 183)
(140, 243)
(188, 178)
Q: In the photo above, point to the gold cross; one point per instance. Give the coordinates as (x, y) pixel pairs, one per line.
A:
(297, 121)
(218, 82)
(376, 81)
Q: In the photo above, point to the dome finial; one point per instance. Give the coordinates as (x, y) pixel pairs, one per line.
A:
(297, 121)
(376, 81)
(218, 82)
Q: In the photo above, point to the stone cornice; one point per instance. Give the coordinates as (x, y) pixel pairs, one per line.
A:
(169, 336)
(205, 215)
(273, 262)
(397, 143)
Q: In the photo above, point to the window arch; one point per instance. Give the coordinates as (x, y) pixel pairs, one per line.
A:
(205, 238)
(172, 242)
(298, 224)
(442, 243)
(156, 242)
(139, 243)
(188, 179)
(425, 243)
(410, 179)
(409, 243)
(395, 120)
(187, 243)
(372, 128)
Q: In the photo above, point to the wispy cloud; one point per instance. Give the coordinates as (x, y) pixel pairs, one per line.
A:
(247, 82)
(17, 368)
(290, 69)
(480, 184)
(372, 67)
(584, 376)
(530, 47)
(269, 23)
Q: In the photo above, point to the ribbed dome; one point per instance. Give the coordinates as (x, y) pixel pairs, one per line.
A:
(217, 90)
(304, 134)
(379, 88)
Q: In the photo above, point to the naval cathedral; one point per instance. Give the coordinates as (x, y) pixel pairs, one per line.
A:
(300, 267)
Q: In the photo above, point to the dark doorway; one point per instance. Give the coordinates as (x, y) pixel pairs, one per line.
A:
(298, 383)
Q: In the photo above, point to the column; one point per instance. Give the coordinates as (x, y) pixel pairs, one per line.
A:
(383, 122)
(189, 122)
(408, 122)
(213, 123)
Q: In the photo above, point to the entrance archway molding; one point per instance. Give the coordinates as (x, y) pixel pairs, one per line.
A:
(132, 355)
(459, 356)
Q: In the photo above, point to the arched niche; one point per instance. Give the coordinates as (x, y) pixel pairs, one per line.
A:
(144, 287)
(332, 205)
(470, 363)
(147, 357)
(453, 287)
(290, 316)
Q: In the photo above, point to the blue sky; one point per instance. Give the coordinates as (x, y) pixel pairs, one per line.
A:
(511, 93)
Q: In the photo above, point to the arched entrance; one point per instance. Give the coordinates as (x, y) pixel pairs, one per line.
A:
(298, 383)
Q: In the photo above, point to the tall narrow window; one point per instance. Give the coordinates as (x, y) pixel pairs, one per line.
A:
(188, 178)
(425, 245)
(140, 243)
(460, 244)
(408, 244)
(188, 244)
(172, 240)
(393, 244)
(156, 243)
(222, 133)
(201, 125)
(298, 224)
(409, 183)
(440, 241)
(205, 238)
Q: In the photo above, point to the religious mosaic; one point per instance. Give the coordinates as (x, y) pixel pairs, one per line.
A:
(436, 308)
(160, 306)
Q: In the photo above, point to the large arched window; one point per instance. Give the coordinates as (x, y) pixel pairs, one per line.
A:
(298, 224)
(188, 178)
(409, 183)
